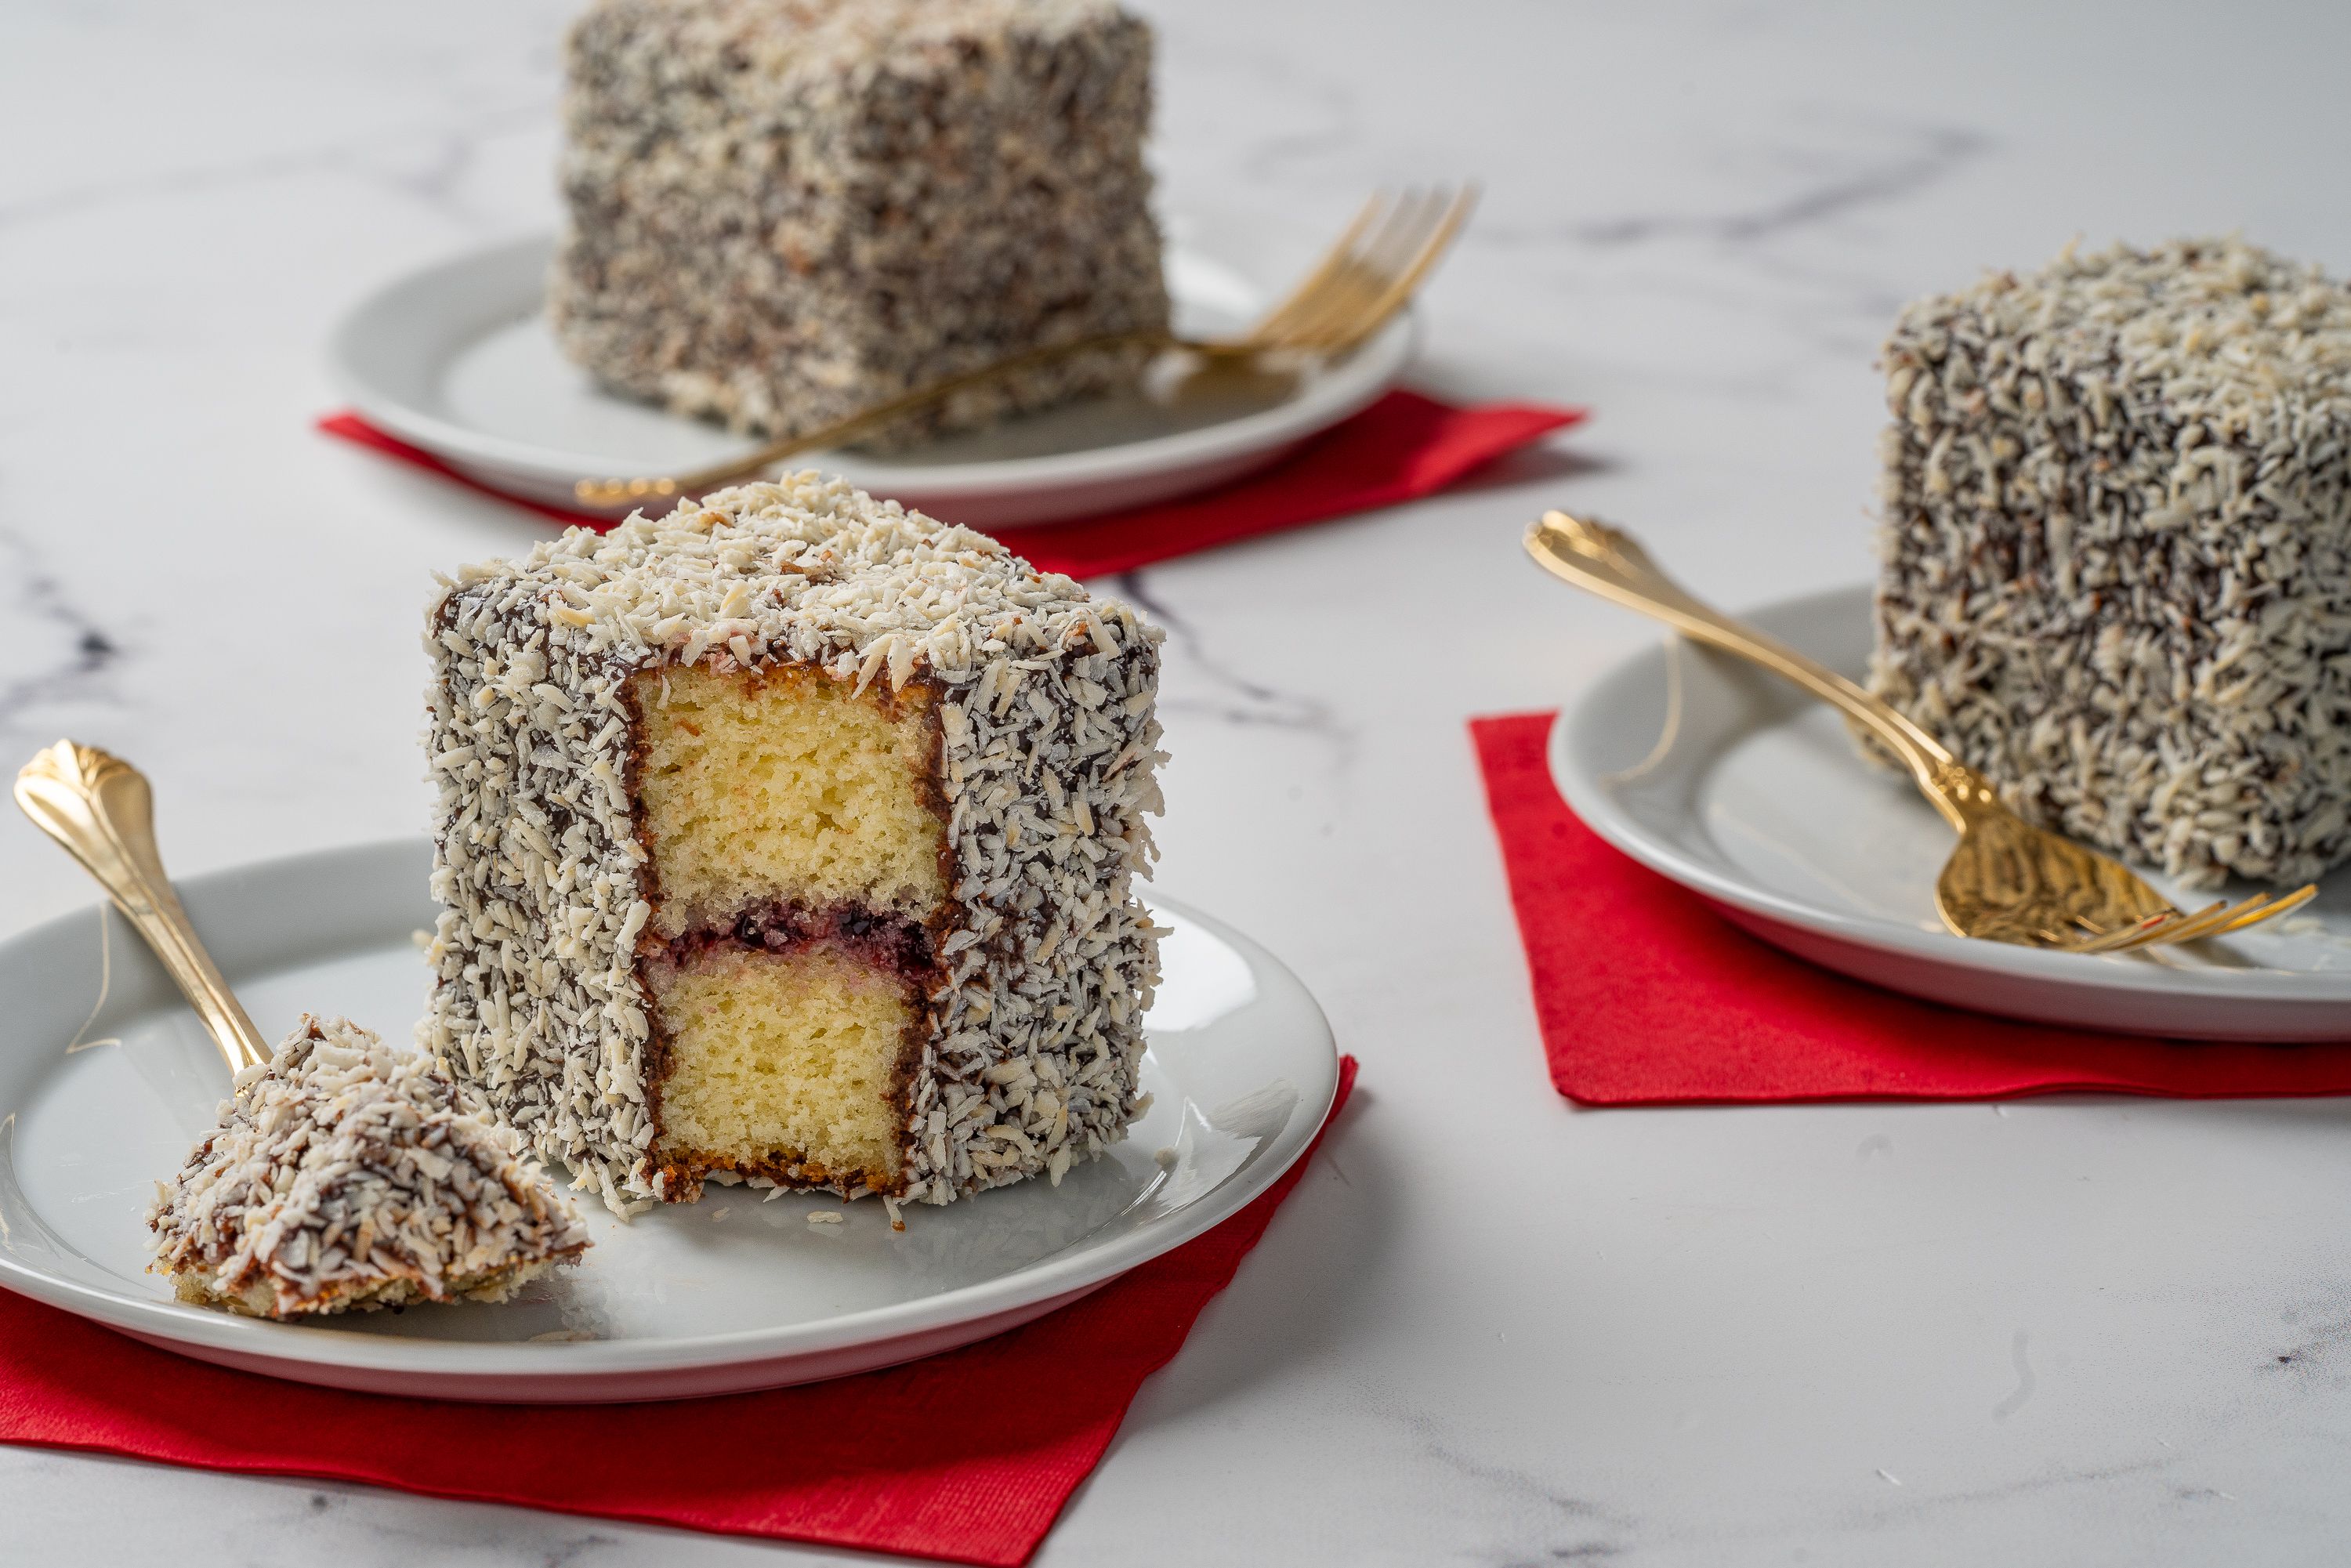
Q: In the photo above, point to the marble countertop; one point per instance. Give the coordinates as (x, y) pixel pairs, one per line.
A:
(1488, 1328)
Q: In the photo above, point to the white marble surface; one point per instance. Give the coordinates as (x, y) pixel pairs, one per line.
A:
(1487, 1328)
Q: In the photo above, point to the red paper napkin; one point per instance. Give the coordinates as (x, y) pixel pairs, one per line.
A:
(1403, 447)
(1647, 996)
(966, 1457)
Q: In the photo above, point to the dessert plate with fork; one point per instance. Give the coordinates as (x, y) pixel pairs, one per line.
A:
(1730, 779)
(107, 1077)
(457, 360)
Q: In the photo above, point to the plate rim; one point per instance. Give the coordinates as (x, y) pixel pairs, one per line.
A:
(1075, 1272)
(1345, 391)
(1590, 797)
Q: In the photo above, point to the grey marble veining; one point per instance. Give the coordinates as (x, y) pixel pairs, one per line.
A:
(65, 658)
(1488, 1329)
(1201, 683)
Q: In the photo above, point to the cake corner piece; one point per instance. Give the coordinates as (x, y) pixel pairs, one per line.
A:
(793, 836)
(347, 1176)
(2115, 550)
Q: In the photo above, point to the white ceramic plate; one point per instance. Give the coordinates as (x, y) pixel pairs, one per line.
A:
(1743, 790)
(456, 359)
(96, 1102)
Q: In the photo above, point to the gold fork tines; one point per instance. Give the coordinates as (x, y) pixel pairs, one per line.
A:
(1357, 287)
(1325, 277)
(2291, 902)
(2166, 929)
(2157, 930)
(1367, 277)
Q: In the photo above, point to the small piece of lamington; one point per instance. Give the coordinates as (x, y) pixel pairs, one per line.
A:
(792, 836)
(784, 211)
(2117, 550)
(345, 1175)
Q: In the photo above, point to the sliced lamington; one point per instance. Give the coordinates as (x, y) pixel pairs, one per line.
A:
(2116, 552)
(783, 212)
(792, 836)
(345, 1176)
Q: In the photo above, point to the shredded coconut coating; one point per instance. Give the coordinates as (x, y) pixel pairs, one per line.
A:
(785, 211)
(1049, 751)
(344, 1176)
(2117, 550)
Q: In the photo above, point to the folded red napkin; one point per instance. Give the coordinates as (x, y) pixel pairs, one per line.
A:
(1403, 447)
(966, 1457)
(1647, 996)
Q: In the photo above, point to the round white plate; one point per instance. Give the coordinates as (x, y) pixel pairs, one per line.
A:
(457, 358)
(1741, 789)
(728, 1294)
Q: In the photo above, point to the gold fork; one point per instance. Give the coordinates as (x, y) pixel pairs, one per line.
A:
(1354, 290)
(102, 811)
(2007, 881)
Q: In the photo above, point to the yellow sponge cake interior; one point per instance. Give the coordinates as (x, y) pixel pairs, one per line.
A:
(786, 1064)
(785, 785)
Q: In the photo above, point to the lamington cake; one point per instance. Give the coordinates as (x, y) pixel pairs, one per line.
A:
(345, 1176)
(784, 211)
(791, 837)
(2117, 550)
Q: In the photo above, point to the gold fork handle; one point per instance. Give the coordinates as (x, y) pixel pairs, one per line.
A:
(663, 487)
(103, 811)
(1607, 562)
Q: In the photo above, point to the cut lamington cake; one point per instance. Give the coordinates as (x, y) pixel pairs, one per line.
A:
(792, 835)
(2117, 573)
(783, 212)
(345, 1176)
